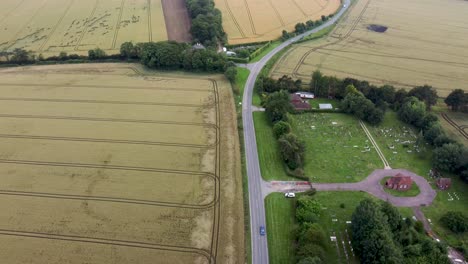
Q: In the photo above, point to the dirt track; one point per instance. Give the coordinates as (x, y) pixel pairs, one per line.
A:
(177, 20)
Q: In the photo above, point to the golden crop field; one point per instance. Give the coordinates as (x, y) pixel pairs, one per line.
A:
(52, 26)
(111, 163)
(456, 125)
(426, 42)
(262, 20)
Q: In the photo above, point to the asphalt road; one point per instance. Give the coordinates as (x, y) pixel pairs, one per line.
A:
(256, 203)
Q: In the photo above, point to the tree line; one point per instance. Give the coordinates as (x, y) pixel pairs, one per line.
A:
(303, 27)
(207, 21)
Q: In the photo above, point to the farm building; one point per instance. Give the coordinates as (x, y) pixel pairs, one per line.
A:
(443, 183)
(298, 103)
(306, 95)
(325, 106)
(399, 182)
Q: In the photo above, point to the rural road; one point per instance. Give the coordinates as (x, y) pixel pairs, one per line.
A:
(256, 202)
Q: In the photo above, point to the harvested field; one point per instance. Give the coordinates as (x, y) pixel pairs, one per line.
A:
(177, 20)
(456, 125)
(120, 165)
(52, 26)
(262, 20)
(408, 53)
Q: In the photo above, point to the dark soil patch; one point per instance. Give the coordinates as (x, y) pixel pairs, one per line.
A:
(177, 20)
(377, 28)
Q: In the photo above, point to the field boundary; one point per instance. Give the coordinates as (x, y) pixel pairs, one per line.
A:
(460, 129)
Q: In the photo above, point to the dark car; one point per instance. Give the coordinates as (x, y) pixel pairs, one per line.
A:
(262, 230)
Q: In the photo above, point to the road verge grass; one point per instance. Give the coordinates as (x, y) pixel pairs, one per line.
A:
(281, 222)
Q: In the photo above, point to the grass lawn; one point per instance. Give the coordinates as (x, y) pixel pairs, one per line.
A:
(280, 218)
(335, 152)
(314, 103)
(397, 141)
(241, 79)
(409, 193)
(271, 163)
(262, 54)
(453, 199)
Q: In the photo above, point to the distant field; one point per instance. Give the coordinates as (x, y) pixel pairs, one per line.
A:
(110, 163)
(456, 125)
(52, 26)
(261, 20)
(421, 45)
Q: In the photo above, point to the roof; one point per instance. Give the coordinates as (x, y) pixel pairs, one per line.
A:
(400, 179)
(295, 98)
(325, 106)
(443, 181)
(304, 93)
(299, 105)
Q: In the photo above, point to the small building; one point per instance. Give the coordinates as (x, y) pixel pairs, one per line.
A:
(298, 103)
(325, 106)
(399, 182)
(444, 183)
(306, 95)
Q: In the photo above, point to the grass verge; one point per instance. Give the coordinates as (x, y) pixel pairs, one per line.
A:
(262, 54)
(280, 218)
(409, 193)
(271, 163)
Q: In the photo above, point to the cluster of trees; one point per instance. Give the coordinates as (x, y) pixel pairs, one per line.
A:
(457, 100)
(303, 27)
(312, 242)
(207, 25)
(455, 221)
(449, 155)
(270, 85)
(357, 104)
(380, 235)
(173, 55)
(277, 106)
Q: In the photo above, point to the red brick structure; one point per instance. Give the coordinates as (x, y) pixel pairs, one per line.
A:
(444, 183)
(298, 103)
(399, 182)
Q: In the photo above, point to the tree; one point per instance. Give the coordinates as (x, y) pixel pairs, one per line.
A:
(455, 221)
(432, 133)
(281, 128)
(292, 150)
(231, 73)
(412, 111)
(310, 260)
(277, 105)
(21, 56)
(96, 54)
(425, 93)
(447, 157)
(394, 218)
(285, 35)
(456, 99)
(63, 55)
(128, 50)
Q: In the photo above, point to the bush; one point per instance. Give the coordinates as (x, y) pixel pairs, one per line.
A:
(455, 221)
(281, 128)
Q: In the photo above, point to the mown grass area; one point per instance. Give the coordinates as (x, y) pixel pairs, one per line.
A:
(335, 147)
(413, 191)
(337, 208)
(239, 84)
(271, 163)
(280, 229)
(314, 103)
(397, 141)
(262, 54)
(453, 199)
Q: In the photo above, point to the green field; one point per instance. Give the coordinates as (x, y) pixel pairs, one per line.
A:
(335, 147)
(402, 137)
(280, 216)
(271, 164)
(409, 193)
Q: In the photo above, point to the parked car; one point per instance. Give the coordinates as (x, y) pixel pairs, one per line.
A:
(262, 230)
(289, 195)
